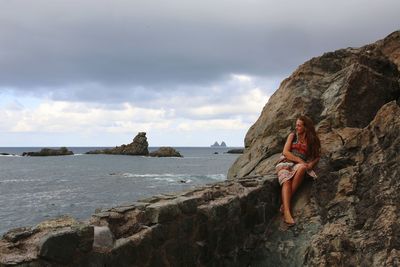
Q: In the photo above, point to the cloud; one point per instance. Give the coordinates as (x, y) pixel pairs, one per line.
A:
(58, 117)
(232, 106)
(68, 49)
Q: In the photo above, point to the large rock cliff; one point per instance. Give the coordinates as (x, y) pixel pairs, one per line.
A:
(348, 216)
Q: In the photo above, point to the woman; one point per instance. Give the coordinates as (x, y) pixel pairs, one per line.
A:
(300, 155)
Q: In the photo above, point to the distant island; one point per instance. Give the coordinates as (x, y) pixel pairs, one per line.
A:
(63, 151)
(216, 144)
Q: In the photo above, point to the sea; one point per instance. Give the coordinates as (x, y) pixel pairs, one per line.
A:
(34, 189)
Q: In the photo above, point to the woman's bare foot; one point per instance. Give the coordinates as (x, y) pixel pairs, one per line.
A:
(288, 219)
(281, 209)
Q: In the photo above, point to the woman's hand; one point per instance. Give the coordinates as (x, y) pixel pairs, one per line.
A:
(309, 166)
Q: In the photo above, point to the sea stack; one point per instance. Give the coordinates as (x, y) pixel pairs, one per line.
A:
(138, 147)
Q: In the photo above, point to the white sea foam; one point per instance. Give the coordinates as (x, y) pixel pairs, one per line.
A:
(165, 179)
(186, 178)
(147, 175)
(218, 177)
(20, 181)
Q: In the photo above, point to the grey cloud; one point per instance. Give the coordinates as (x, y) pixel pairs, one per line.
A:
(140, 49)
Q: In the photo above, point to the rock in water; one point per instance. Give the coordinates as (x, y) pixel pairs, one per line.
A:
(165, 152)
(63, 151)
(235, 151)
(139, 146)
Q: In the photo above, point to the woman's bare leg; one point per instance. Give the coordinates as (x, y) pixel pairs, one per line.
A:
(298, 178)
(295, 182)
(286, 197)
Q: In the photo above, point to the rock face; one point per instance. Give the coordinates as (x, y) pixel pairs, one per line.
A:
(63, 151)
(348, 216)
(165, 152)
(139, 146)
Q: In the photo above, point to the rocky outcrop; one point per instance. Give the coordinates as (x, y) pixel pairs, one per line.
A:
(63, 151)
(235, 151)
(139, 146)
(165, 152)
(348, 216)
(214, 225)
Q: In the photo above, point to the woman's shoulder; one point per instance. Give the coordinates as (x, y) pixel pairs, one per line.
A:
(292, 135)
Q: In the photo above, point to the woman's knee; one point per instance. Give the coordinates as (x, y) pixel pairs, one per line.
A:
(302, 167)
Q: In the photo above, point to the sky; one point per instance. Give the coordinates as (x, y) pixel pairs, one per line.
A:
(188, 73)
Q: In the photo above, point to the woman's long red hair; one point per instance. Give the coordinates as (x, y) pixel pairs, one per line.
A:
(313, 142)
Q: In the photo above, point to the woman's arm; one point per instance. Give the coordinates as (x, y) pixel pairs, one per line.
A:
(286, 150)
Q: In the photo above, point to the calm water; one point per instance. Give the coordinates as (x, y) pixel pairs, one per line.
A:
(33, 189)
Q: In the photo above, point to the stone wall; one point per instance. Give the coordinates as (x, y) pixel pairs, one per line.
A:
(214, 225)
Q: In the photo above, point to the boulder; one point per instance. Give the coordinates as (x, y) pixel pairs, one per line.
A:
(138, 147)
(63, 151)
(165, 152)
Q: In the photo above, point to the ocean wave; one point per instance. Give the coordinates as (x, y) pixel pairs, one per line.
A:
(10, 155)
(218, 177)
(183, 178)
(20, 181)
(127, 174)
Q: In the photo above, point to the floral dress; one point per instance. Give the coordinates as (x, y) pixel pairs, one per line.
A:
(286, 169)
